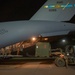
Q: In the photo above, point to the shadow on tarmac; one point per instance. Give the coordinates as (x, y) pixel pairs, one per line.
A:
(24, 61)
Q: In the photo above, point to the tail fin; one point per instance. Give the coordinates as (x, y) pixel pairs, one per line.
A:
(56, 10)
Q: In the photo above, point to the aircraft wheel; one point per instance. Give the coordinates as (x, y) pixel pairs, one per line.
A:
(59, 62)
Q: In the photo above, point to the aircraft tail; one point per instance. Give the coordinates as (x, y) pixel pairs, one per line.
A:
(56, 10)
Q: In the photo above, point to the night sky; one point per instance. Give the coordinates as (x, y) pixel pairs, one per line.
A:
(11, 10)
(14, 10)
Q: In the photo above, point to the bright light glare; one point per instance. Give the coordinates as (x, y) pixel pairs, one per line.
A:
(46, 38)
(33, 39)
(63, 40)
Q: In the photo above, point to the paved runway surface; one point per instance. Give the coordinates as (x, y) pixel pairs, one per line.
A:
(34, 68)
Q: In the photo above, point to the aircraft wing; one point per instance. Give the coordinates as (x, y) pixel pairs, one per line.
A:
(17, 31)
(55, 33)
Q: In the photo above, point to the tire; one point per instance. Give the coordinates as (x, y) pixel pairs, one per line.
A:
(59, 62)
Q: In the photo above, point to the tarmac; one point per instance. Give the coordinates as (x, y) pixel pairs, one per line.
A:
(34, 67)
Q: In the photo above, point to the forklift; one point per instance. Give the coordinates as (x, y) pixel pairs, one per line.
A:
(67, 58)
